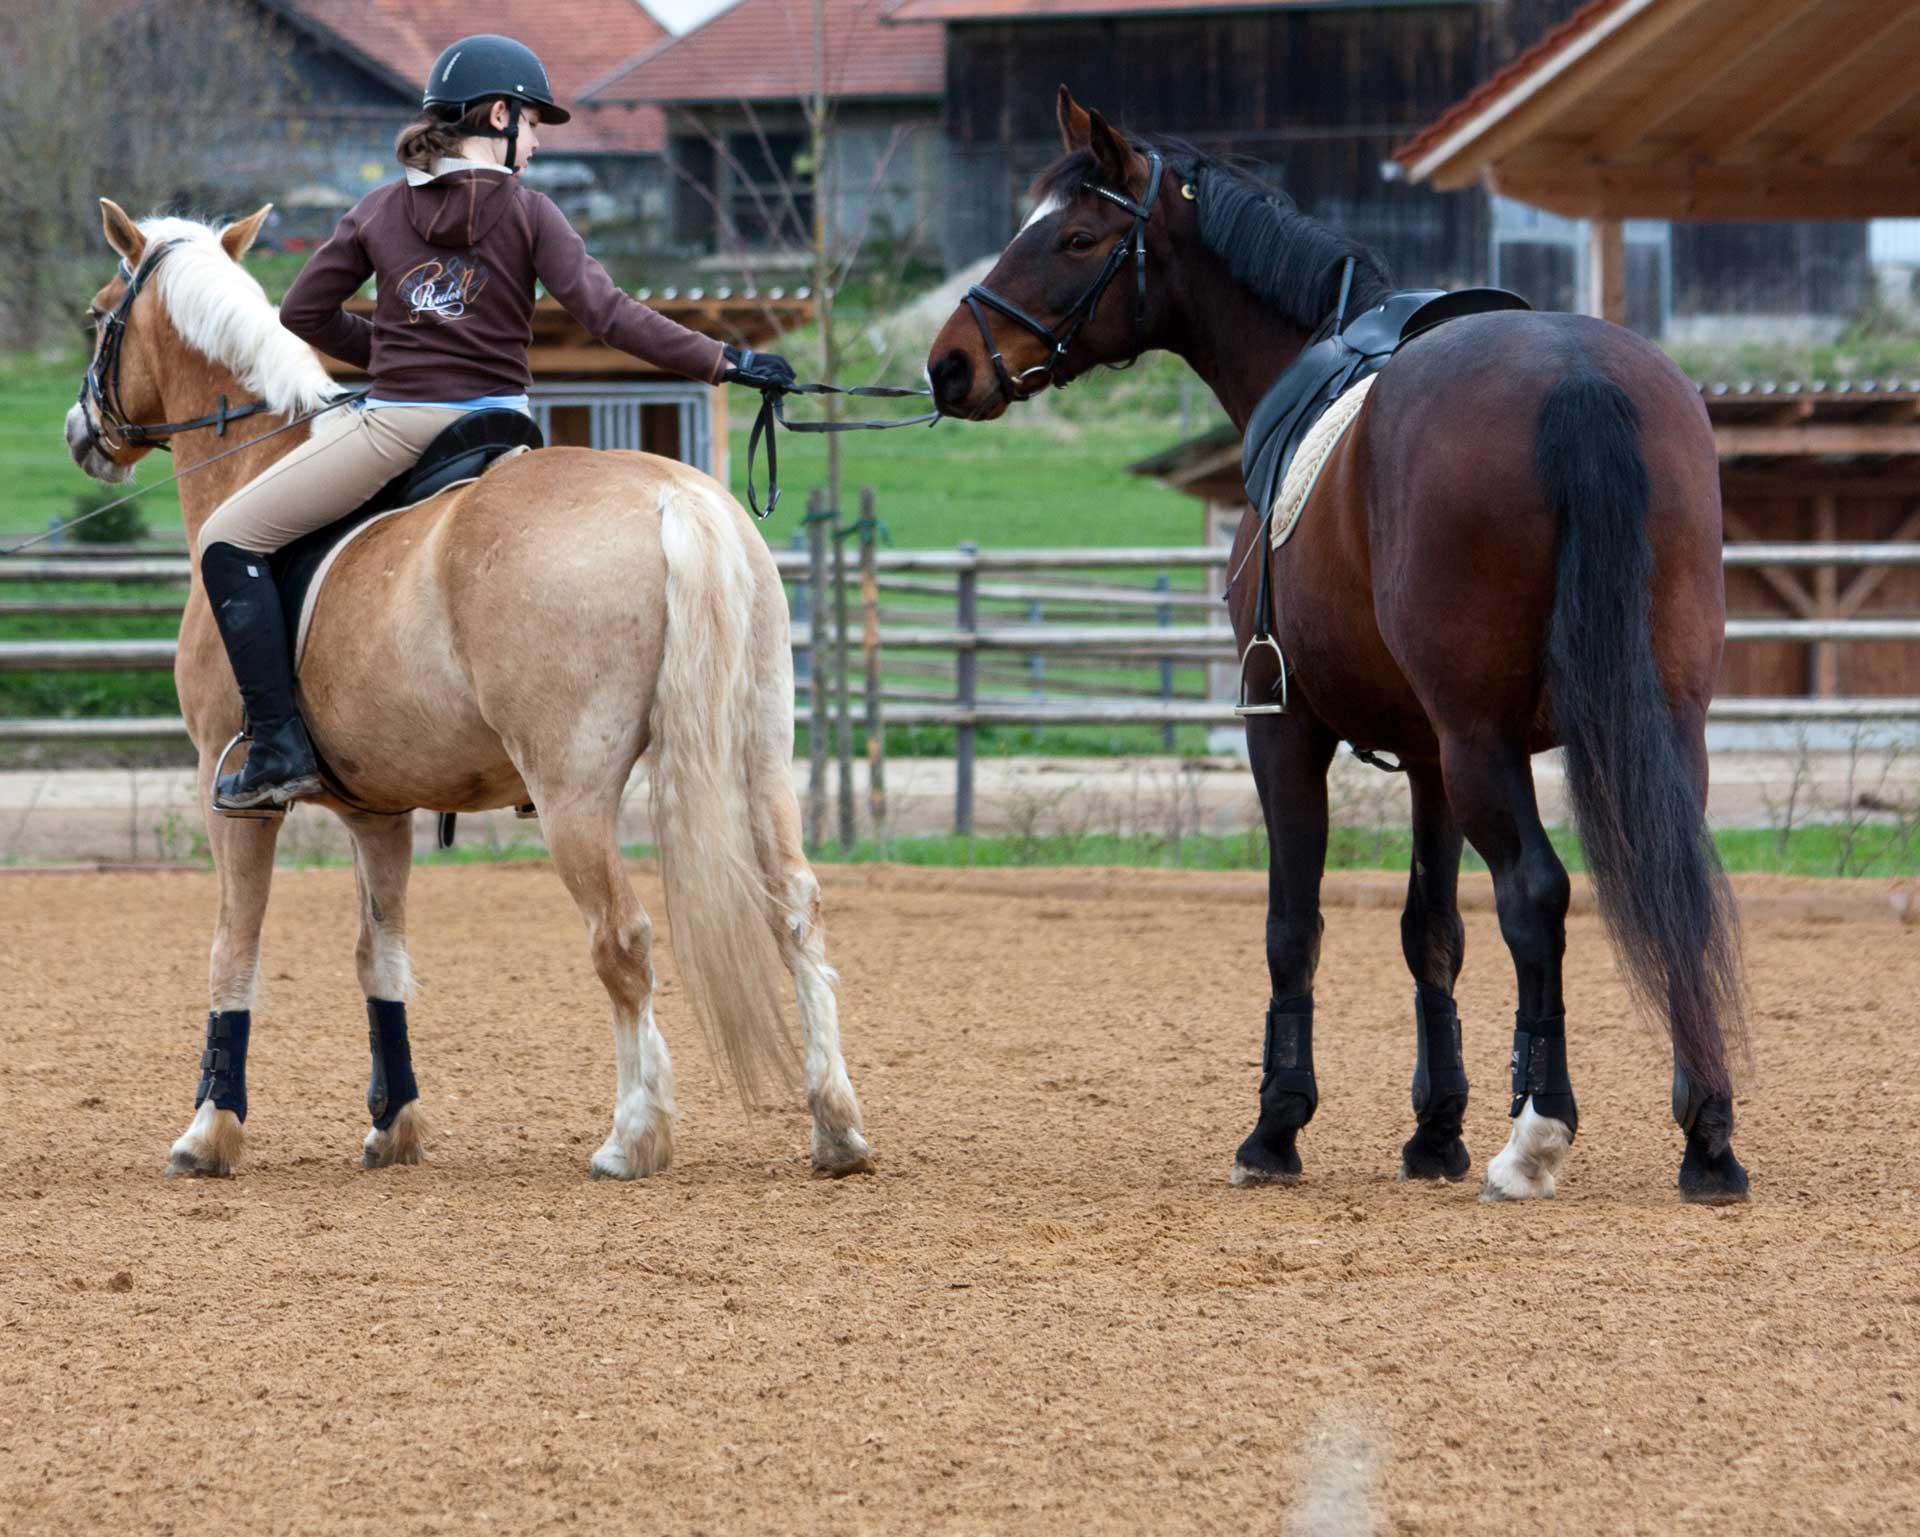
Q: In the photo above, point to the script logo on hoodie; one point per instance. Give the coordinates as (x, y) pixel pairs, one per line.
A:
(442, 288)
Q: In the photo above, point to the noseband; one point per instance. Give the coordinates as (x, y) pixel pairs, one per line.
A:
(1059, 336)
(101, 383)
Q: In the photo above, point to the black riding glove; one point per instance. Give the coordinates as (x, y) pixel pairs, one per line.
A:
(757, 370)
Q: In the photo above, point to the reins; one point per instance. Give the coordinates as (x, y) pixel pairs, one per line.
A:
(772, 414)
(306, 416)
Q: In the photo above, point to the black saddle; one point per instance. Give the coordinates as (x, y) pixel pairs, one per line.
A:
(1336, 358)
(461, 451)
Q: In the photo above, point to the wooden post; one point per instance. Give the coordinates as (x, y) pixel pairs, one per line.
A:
(1607, 270)
(817, 726)
(1162, 617)
(843, 718)
(966, 692)
(870, 645)
(1825, 680)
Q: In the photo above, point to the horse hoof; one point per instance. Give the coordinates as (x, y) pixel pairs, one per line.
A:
(210, 1146)
(1524, 1169)
(838, 1157)
(1265, 1159)
(403, 1142)
(1706, 1180)
(1243, 1174)
(1421, 1160)
(634, 1160)
(184, 1164)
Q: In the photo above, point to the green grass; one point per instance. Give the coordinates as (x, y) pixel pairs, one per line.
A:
(1038, 481)
(1875, 851)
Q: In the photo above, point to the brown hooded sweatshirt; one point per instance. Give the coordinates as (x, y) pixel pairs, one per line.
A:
(455, 260)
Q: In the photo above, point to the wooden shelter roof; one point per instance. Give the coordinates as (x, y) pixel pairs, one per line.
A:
(1762, 428)
(1696, 109)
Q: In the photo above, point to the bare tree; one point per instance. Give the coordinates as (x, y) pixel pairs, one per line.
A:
(146, 101)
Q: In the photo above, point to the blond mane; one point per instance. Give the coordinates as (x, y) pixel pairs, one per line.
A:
(220, 309)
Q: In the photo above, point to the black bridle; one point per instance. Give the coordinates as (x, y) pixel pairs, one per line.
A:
(1059, 336)
(100, 386)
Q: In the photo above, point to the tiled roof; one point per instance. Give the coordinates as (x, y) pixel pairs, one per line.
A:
(762, 50)
(400, 39)
(1047, 10)
(1503, 80)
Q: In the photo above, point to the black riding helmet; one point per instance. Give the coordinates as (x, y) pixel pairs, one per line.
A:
(488, 65)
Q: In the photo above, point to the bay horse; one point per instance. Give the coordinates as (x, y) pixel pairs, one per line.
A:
(1516, 546)
(526, 637)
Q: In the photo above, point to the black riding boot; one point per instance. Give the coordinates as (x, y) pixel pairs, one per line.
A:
(280, 763)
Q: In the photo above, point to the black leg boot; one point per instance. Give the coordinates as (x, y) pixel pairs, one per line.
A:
(280, 763)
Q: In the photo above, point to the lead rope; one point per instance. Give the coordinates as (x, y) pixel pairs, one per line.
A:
(772, 414)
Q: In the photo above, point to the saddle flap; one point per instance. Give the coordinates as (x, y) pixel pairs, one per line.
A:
(460, 451)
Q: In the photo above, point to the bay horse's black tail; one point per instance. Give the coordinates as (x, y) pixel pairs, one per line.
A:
(1658, 879)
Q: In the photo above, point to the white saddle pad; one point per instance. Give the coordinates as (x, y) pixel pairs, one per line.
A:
(1321, 440)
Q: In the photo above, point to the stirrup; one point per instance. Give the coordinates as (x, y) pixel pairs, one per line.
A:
(1280, 660)
(266, 813)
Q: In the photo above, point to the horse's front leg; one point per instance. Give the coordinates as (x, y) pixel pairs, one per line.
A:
(382, 861)
(1434, 942)
(243, 861)
(1290, 754)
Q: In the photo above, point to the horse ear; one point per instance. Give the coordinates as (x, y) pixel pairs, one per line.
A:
(1075, 124)
(1110, 152)
(122, 233)
(237, 237)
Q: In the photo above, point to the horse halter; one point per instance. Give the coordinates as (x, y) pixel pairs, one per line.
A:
(1059, 336)
(100, 385)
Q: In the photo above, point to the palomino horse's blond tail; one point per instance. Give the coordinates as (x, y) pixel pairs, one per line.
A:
(717, 896)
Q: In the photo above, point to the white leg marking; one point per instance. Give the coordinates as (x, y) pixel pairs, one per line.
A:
(405, 1141)
(838, 1145)
(210, 1144)
(1524, 1169)
(641, 1142)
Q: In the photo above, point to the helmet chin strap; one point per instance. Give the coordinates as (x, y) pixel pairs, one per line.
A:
(511, 133)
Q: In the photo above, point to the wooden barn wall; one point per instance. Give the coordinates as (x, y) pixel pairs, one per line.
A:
(1786, 668)
(1319, 99)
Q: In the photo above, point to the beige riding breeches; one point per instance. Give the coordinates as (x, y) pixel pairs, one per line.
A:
(325, 478)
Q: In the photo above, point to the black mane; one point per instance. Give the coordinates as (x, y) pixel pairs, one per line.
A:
(1288, 258)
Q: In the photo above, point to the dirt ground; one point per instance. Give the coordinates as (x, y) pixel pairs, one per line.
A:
(1046, 1312)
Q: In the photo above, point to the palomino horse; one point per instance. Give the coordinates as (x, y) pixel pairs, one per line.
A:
(1516, 545)
(524, 638)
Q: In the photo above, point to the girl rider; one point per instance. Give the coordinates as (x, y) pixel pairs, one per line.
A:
(455, 249)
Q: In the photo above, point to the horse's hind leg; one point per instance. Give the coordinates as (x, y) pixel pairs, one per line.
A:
(1434, 942)
(1490, 787)
(243, 862)
(382, 861)
(839, 1143)
(580, 836)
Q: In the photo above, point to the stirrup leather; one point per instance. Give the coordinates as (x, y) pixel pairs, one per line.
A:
(1243, 707)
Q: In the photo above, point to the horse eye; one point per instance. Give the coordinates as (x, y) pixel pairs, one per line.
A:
(1079, 240)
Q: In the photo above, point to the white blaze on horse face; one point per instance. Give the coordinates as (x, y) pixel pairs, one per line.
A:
(1050, 204)
(1524, 1169)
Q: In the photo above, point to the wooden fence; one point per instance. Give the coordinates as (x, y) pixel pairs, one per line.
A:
(977, 656)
